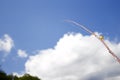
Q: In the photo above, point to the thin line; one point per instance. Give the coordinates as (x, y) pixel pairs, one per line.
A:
(101, 40)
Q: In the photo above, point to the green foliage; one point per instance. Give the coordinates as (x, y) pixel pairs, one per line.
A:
(28, 77)
(4, 76)
(11, 77)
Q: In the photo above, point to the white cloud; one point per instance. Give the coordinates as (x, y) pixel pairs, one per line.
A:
(75, 57)
(18, 75)
(6, 43)
(22, 53)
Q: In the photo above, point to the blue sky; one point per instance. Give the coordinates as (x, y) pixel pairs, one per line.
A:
(38, 24)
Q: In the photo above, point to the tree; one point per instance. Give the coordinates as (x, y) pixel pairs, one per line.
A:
(11, 77)
(28, 77)
(4, 76)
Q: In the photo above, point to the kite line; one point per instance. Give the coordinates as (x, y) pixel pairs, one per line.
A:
(101, 38)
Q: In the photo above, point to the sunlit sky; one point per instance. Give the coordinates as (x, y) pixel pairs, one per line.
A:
(38, 24)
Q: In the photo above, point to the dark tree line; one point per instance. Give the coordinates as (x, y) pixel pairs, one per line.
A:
(4, 76)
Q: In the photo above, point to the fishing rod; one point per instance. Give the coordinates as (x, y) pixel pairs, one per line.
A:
(100, 38)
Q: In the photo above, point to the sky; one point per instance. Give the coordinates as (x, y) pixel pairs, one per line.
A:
(35, 39)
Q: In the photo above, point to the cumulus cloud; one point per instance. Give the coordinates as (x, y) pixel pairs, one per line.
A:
(75, 57)
(6, 43)
(22, 53)
(18, 74)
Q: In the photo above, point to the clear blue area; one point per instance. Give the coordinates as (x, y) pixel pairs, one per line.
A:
(39, 24)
